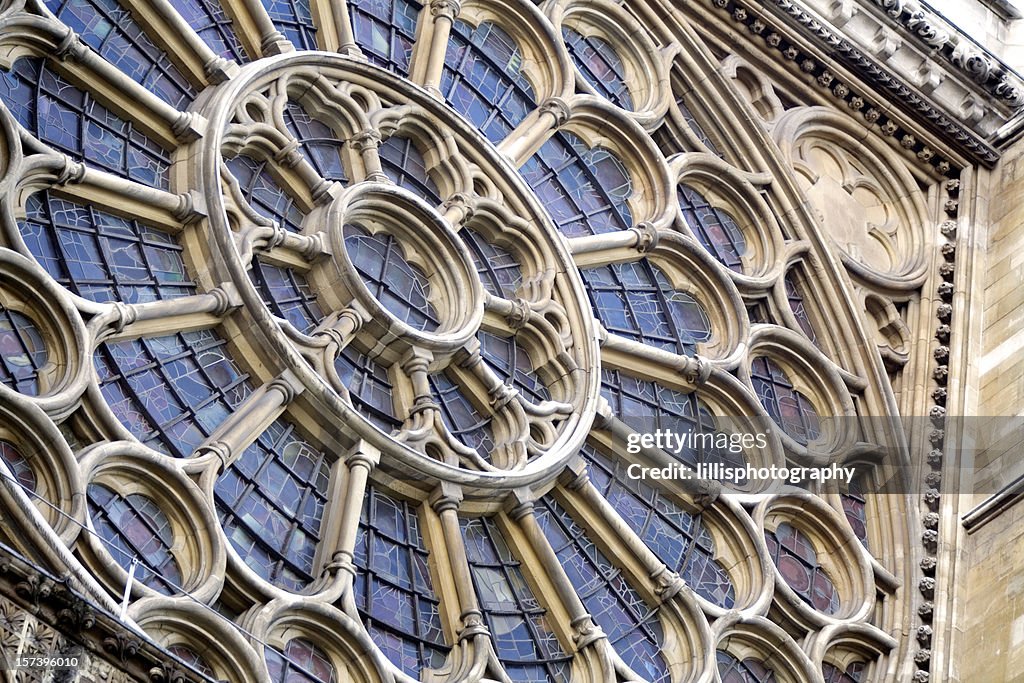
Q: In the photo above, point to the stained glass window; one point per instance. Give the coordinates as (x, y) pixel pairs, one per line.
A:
(110, 30)
(103, 257)
(404, 164)
(22, 352)
(794, 555)
(301, 662)
(750, 670)
(70, 120)
(584, 189)
(317, 142)
(796, 303)
(208, 19)
(482, 79)
(600, 65)
(636, 300)
(192, 658)
(386, 31)
(788, 407)
(854, 673)
(271, 501)
(264, 194)
(855, 508)
(368, 386)
(394, 591)
(18, 465)
(287, 293)
(631, 626)
(294, 19)
(680, 540)
(133, 527)
(499, 270)
(714, 228)
(170, 392)
(512, 363)
(461, 417)
(525, 643)
(697, 129)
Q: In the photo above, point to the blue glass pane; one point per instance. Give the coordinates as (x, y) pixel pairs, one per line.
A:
(460, 416)
(498, 269)
(398, 285)
(482, 79)
(750, 670)
(854, 673)
(600, 66)
(294, 19)
(317, 142)
(100, 256)
(68, 119)
(23, 472)
(794, 555)
(855, 507)
(386, 31)
(170, 392)
(22, 352)
(648, 406)
(788, 407)
(394, 591)
(632, 627)
(133, 527)
(714, 228)
(525, 643)
(404, 164)
(264, 194)
(110, 30)
(368, 386)
(796, 303)
(271, 502)
(208, 19)
(301, 662)
(584, 190)
(286, 292)
(679, 539)
(636, 300)
(513, 364)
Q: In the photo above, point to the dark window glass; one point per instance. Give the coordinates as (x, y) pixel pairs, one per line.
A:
(499, 270)
(750, 670)
(208, 19)
(18, 465)
(714, 228)
(637, 301)
(67, 118)
(170, 392)
(301, 662)
(512, 363)
(368, 386)
(460, 416)
(110, 30)
(264, 194)
(288, 295)
(134, 527)
(482, 79)
(192, 658)
(398, 285)
(317, 142)
(294, 19)
(679, 539)
(697, 129)
(788, 407)
(794, 555)
(525, 643)
(833, 674)
(404, 164)
(102, 257)
(271, 501)
(600, 65)
(22, 352)
(584, 190)
(386, 31)
(855, 506)
(394, 591)
(795, 297)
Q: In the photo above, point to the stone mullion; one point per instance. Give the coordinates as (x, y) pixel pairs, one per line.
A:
(280, 246)
(614, 247)
(432, 45)
(131, 321)
(533, 131)
(335, 27)
(343, 526)
(255, 29)
(619, 352)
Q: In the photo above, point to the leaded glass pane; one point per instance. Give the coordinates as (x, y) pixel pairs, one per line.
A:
(525, 644)
(301, 662)
(750, 670)
(16, 462)
(271, 502)
(368, 386)
(855, 507)
(797, 560)
(103, 257)
(600, 65)
(287, 293)
(264, 194)
(192, 658)
(386, 31)
(631, 626)
(466, 423)
(796, 303)
(854, 673)
(394, 591)
(208, 19)
(498, 269)
(317, 142)
(513, 364)
(714, 228)
(294, 19)
(134, 528)
(22, 352)
(404, 164)
(788, 407)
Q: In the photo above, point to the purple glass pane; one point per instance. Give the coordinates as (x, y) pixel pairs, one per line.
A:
(789, 408)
